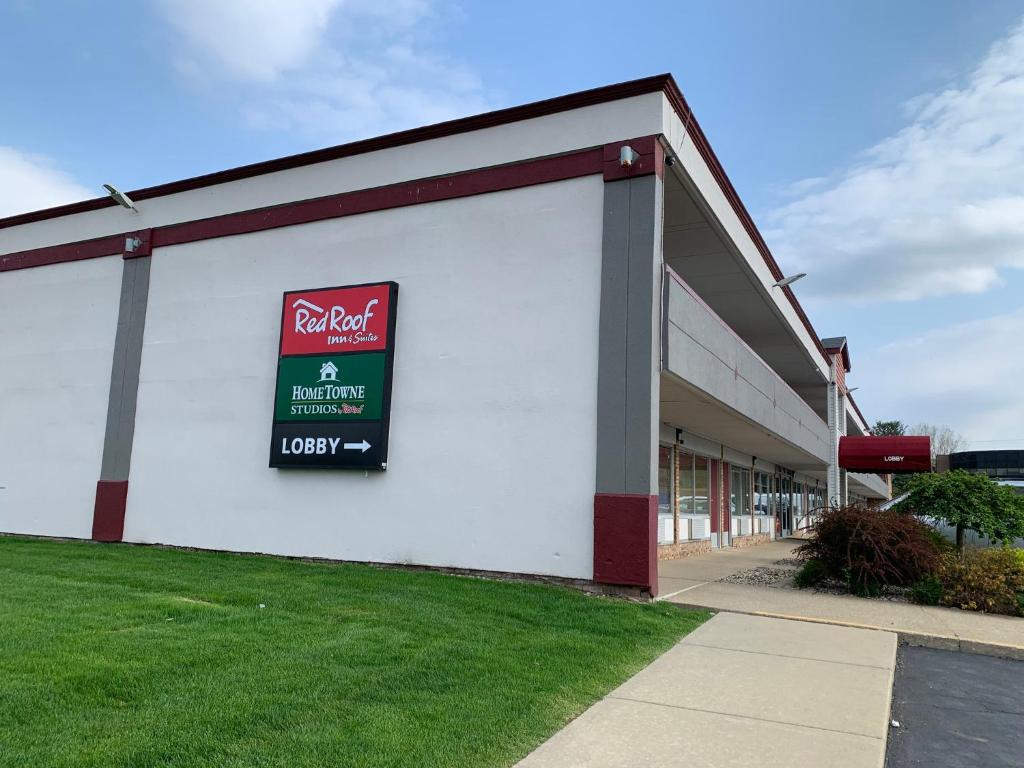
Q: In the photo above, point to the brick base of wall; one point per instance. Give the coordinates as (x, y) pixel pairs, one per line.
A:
(739, 542)
(683, 549)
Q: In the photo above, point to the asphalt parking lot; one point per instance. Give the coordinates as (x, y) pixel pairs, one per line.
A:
(955, 710)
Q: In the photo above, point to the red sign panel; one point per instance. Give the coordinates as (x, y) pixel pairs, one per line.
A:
(332, 320)
(880, 453)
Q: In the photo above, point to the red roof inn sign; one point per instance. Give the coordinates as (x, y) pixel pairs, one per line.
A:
(332, 403)
(882, 453)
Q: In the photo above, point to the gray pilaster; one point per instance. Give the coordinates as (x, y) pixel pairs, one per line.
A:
(124, 374)
(628, 383)
(836, 478)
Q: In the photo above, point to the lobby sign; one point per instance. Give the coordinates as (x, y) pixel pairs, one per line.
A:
(885, 453)
(332, 402)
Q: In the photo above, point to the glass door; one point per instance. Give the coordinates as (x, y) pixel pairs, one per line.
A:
(799, 507)
(785, 505)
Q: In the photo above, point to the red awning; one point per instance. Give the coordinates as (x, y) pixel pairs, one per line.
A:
(876, 453)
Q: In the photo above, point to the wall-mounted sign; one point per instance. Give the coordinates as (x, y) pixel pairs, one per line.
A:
(332, 405)
(354, 319)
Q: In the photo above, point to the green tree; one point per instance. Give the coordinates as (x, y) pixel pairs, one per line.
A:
(889, 428)
(967, 502)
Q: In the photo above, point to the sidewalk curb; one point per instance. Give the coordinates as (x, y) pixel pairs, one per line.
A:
(888, 702)
(905, 637)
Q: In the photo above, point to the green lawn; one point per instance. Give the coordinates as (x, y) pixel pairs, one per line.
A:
(113, 655)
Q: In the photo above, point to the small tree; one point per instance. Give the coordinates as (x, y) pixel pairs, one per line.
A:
(967, 501)
(889, 428)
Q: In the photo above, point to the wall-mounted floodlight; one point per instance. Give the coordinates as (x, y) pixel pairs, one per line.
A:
(120, 197)
(627, 156)
(789, 280)
(852, 389)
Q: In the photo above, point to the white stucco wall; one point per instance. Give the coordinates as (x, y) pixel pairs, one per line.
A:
(57, 328)
(493, 428)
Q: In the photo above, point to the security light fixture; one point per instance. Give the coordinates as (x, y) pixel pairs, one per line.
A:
(627, 156)
(789, 280)
(120, 197)
(852, 389)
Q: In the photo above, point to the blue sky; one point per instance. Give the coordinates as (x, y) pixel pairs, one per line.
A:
(876, 143)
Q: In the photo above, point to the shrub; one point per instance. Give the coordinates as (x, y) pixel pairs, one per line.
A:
(871, 548)
(1018, 554)
(928, 591)
(811, 573)
(990, 580)
(864, 587)
(941, 542)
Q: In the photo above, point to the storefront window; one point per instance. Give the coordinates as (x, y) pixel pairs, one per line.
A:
(740, 501)
(694, 517)
(685, 470)
(701, 481)
(666, 516)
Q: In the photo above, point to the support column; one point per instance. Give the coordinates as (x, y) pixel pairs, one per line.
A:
(628, 387)
(112, 487)
(836, 479)
(832, 475)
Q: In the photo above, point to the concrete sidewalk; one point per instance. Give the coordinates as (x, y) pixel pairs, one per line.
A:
(694, 582)
(675, 576)
(743, 691)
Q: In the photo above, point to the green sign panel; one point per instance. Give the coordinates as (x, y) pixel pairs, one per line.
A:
(344, 387)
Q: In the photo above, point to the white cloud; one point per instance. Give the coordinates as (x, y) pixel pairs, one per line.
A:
(335, 69)
(32, 182)
(965, 375)
(936, 209)
(252, 40)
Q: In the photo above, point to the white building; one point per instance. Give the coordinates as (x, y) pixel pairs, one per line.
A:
(591, 366)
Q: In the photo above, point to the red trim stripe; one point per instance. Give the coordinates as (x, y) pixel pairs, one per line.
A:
(497, 179)
(466, 184)
(56, 254)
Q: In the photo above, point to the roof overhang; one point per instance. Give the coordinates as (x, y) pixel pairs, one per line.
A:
(842, 350)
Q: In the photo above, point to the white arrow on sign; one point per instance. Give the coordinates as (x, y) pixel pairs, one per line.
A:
(363, 446)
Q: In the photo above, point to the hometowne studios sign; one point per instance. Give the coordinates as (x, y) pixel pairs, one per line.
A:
(332, 404)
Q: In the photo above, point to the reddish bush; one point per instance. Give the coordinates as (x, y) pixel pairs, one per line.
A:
(870, 548)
